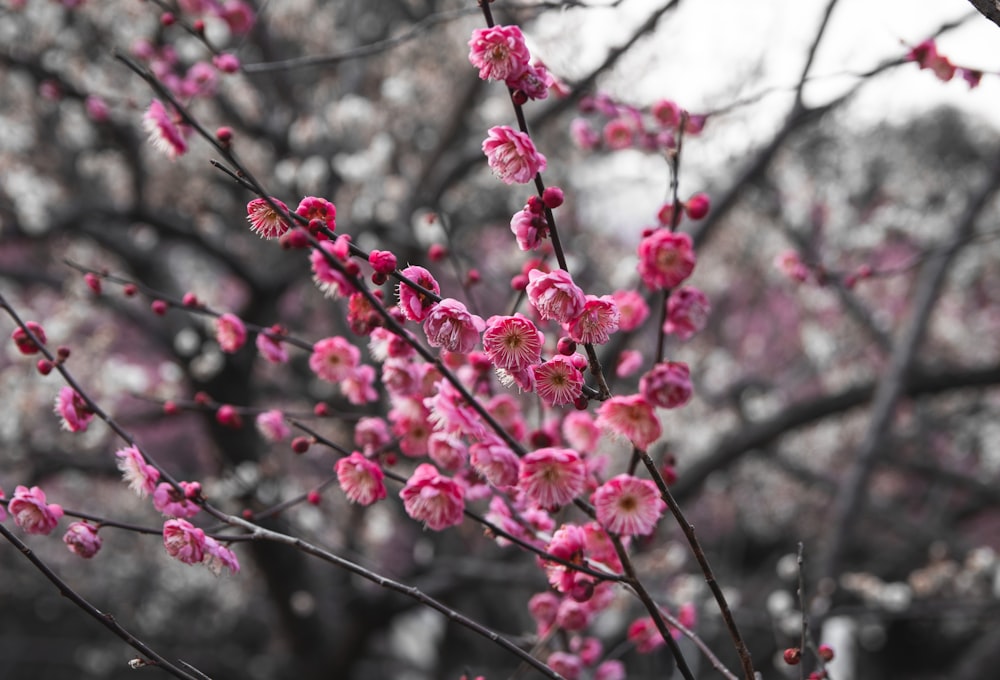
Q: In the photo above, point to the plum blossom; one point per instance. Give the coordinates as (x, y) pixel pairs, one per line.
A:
(452, 327)
(165, 134)
(667, 385)
(558, 381)
(499, 52)
(230, 333)
(272, 426)
(512, 155)
(554, 295)
(512, 342)
(176, 503)
(361, 479)
(432, 498)
(82, 539)
(25, 345)
(595, 323)
(415, 304)
(332, 280)
(529, 227)
(687, 312)
(359, 386)
(447, 450)
(183, 541)
(495, 461)
(73, 410)
(334, 359)
(628, 505)
(315, 208)
(218, 557)
(30, 511)
(552, 476)
(665, 259)
(632, 309)
(631, 417)
(271, 349)
(264, 220)
(140, 476)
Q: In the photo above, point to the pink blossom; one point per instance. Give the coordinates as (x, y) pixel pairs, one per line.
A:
(272, 426)
(400, 377)
(789, 263)
(238, 15)
(927, 56)
(371, 433)
(140, 476)
(415, 304)
(226, 62)
(410, 422)
(631, 417)
(499, 52)
(451, 326)
(512, 342)
(495, 461)
(565, 664)
(184, 541)
(176, 503)
(73, 410)
(558, 381)
(667, 385)
(165, 134)
(361, 315)
(665, 259)
(583, 134)
(264, 220)
(644, 635)
(97, 109)
(271, 349)
(333, 281)
(667, 113)
(314, 208)
(361, 479)
(568, 543)
(230, 333)
(382, 261)
(432, 498)
(572, 615)
(529, 228)
(590, 649)
(697, 206)
(628, 363)
(512, 155)
(359, 386)
(506, 410)
(580, 432)
(628, 505)
(543, 608)
(450, 412)
(200, 80)
(595, 323)
(25, 345)
(552, 476)
(534, 82)
(31, 512)
(612, 669)
(554, 294)
(447, 450)
(218, 557)
(687, 312)
(82, 539)
(334, 359)
(632, 309)
(618, 133)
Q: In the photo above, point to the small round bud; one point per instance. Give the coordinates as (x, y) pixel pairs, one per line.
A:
(540, 439)
(224, 134)
(535, 205)
(202, 398)
(473, 277)
(301, 444)
(665, 215)
(378, 278)
(669, 474)
(159, 307)
(93, 282)
(581, 403)
(247, 514)
(313, 497)
(321, 409)
(130, 289)
(825, 652)
(792, 656)
(582, 590)
(227, 416)
(44, 366)
(294, 239)
(192, 490)
(389, 459)
(352, 269)
(519, 97)
(190, 300)
(519, 282)
(63, 352)
(167, 19)
(553, 197)
(25, 345)
(437, 252)
(170, 408)
(697, 206)
(648, 231)
(566, 346)
(199, 26)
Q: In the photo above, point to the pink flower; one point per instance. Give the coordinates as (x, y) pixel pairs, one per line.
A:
(512, 342)
(595, 323)
(267, 222)
(554, 295)
(534, 82)
(31, 512)
(667, 113)
(558, 381)
(238, 15)
(613, 669)
(174, 503)
(382, 261)
(565, 664)
(529, 228)
(450, 412)
(334, 359)
(25, 345)
(371, 433)
(82, 539)
(140, 476)
(790, 264)
(494, 460)
(552, 476)
(667, 385)
(512, 155)
(628, 505)
(201, 79)
(313, 208)
(449, 325)
(272, 426)
(333, 281)
(632, 309)
(572, 615)
(687, 312)
(226, 62)
(271, 349)
(568, 543)
(447, 450)
(927, 56)
(618, 134)
(360, 478)
(97, 109)
(583, 134)
(499, 52)
(432, 498)
(230, 333)
(218, 557)
(631, 417)
(73, 410)
(665, 259)
(184, 541)
(628, 363)
(644, 635)
(166, 135)
(414, 304)
(359, 386)
(543, 608)
(580, 432)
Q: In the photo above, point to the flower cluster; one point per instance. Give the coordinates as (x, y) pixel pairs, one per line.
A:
(613, 126)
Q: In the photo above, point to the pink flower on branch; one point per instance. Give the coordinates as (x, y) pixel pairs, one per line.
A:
(264, 220)
(665, 259)
(494, 460)
(183, 541)
(667, 385)
(631, 417)
(272, 426)
(432, 498)
(499, 53)
(450, 326)
(414, 303)
(628, 505)
(558, 381)
(82, 539)
(554, 295)
(31, 512)
(512, 342)
(687, 312)
(334, 359)
(361, 479)
(595, 323)
(140, 476)
(166, 134)
(333, 281)
(230, 333)
(314, 208)
(177, 503)
(271, 348)
(551, 477)
(218, 557)
(73, 410)
(512, 155)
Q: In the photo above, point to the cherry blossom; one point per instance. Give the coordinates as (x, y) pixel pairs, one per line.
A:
(512, 342)
(687, 312)
(415, 304)
(558, 381)
(595, 323)
(667, 385)
(73, 410)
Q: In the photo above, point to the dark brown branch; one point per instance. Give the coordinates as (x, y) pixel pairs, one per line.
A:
(989, 9)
